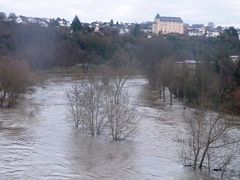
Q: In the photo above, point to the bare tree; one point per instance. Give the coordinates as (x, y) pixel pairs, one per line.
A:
(209, 143)
(166, 75)
(120, 117)
(74, 105)
(102, 105)
(85, 105)
(15, 79)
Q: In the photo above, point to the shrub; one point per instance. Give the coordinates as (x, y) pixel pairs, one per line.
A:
(15, 78)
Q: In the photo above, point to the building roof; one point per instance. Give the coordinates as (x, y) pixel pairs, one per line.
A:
(169, 19)
(187, 62)
(198, 26)
(157, 16)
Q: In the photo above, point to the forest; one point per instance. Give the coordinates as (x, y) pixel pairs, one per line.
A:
(42, 48)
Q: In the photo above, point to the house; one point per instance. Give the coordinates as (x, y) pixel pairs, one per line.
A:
(146, 27)
(167, 25)
(212, 33)
(45, 22)
(190, 64)
(197, 30)
(235, 58)
(238, 31)
(63, 22)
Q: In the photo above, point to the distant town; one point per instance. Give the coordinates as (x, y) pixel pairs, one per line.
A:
(160, 25)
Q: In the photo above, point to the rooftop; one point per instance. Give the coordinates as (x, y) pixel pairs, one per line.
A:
(187, 62)
(168, 19)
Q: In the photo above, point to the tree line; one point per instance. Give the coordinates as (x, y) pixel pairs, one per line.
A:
(53, 46)
(212, 74)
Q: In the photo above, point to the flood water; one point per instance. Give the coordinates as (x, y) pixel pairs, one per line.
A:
(37, 141)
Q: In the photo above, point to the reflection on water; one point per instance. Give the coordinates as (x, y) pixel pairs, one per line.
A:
(38, 142)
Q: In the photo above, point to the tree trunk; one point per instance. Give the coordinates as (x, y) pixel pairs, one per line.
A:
(2, 99)
(177, 92)
(163, 91)
(160, 92)
(184, 97)
(170, 97)
(203, 156)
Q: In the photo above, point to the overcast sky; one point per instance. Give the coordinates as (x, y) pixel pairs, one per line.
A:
(221, 12)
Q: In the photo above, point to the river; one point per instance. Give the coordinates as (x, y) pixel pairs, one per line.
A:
(37, 141)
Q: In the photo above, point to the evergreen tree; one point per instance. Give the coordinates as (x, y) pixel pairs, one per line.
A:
(12, 17)
(230, 34)
(3, 16)
(111, 23)
(230, 40)
(76, 25)
(136, 30)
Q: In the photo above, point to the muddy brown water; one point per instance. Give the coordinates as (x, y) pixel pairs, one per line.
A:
(37, 141)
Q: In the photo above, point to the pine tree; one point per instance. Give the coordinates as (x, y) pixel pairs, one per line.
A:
(76, 25)
(3, 16)
(111, 23)
(136, 30)
(12, 17)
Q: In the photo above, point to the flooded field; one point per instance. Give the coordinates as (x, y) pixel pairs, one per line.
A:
(37, 141)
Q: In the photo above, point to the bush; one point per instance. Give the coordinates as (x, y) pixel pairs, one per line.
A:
(15, 78)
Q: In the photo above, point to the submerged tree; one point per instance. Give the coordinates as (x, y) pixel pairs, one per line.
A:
(102, 106)
(85, 105)
(209, 143)
(15, 79)
(121, 121)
